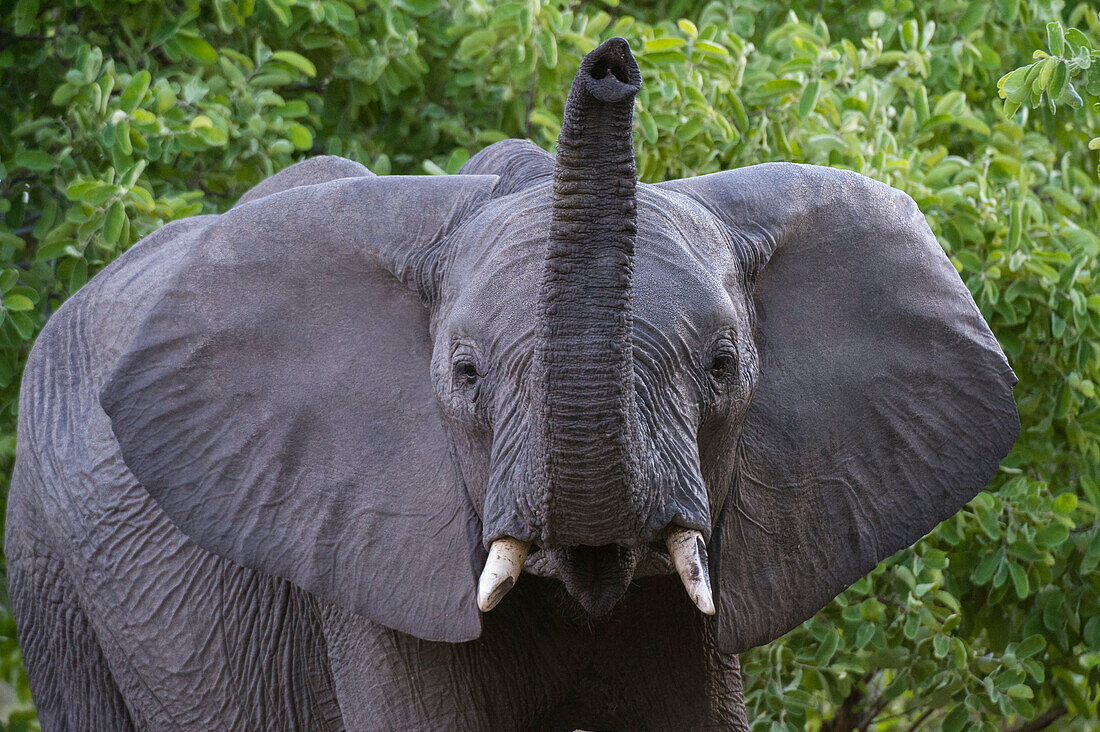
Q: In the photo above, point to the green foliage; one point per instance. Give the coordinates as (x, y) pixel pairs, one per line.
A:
(125, 120)
(1051, 78)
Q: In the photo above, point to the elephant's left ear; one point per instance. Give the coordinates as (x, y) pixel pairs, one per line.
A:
(277, 402)
(883, 402)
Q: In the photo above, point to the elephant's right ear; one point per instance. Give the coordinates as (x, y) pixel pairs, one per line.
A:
(277, 402)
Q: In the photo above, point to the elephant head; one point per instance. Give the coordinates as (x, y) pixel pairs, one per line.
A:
(381, 388)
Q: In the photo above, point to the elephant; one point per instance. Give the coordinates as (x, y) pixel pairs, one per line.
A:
(530, 446)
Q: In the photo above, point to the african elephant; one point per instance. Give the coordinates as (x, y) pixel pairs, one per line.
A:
(276, 467)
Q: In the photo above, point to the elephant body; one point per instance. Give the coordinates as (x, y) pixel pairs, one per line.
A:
(437, 452)
(128, 624)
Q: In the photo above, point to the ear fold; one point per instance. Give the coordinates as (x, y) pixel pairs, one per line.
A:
(312, 171)
(277, 403)
(519, 163)
(883, 402)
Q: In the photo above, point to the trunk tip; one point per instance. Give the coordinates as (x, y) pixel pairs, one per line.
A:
(609, 71)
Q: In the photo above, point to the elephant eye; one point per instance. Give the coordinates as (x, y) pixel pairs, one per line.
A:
(723, 366)
(465, 374)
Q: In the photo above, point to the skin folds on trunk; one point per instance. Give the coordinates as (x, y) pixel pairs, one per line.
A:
(587, 399)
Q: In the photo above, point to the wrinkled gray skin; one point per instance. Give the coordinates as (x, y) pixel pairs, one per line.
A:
(261, 455)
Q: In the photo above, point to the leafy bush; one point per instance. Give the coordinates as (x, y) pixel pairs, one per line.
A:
(122, 122)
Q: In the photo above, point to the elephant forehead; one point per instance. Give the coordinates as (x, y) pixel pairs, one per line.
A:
(682, 268)
(686, 278)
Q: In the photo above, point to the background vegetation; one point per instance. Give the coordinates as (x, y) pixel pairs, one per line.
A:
(118, 117)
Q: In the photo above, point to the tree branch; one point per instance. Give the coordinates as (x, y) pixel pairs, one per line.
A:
(920, 720)
(1043, 721)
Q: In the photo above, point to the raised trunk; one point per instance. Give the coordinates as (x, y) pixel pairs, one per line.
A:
(585, 319)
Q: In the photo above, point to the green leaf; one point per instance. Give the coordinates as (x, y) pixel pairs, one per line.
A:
(777, 87)
(197, 49)
(458, 158)
(35, 160)
(1065, 503)
(974, 125)
(432, 168)
(809, 98)
(24, 326)
(864, 635)
(541, 118)
(1052, 535)
(1058, 81)
(663, 44)
(1030, 646)
(1019, 580)
(280, 12)
(134, 91)
(91, 192)
(299, 136)
(664, 58)
(79, 275)
(956, 719)
(1046, 73)
(1093, 85)
(910, 33)
(1069, 97)
(1057, 326)
(477, 43)
(212, 136)
(827, 649)
(952, 103)
(1056, 40)
(689, 129)
(711, 48)
(649, 126)
(112, 227)
(297, 61)
(548, 48)
(1077, 40)
(16, 303)
(1091, 633)
(53, 250)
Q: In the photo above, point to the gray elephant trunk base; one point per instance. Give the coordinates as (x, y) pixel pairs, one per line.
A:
(545, 447)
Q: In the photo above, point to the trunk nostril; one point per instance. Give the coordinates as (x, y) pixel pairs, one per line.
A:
(613, 66)
(612, 59)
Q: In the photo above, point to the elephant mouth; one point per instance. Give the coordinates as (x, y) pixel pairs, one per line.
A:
(597, 577)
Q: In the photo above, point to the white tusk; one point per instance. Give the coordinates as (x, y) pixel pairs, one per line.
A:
(501, 571)
(689, 554)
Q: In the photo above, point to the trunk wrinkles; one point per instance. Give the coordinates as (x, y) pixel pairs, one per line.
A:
(587, 408)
